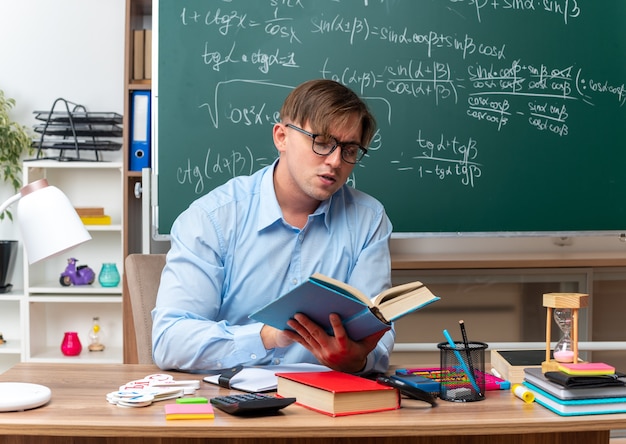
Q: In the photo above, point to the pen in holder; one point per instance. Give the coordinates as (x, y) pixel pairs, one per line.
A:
(465, 382)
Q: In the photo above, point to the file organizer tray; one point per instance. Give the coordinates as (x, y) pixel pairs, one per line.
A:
(70, 129)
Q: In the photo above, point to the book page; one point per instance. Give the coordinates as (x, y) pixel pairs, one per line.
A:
(342, 287)
(396, 291)
(403, 303)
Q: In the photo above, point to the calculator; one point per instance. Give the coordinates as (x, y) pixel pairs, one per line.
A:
(251, 404)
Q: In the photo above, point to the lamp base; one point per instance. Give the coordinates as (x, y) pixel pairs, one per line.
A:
(6, 288)
(15, 396)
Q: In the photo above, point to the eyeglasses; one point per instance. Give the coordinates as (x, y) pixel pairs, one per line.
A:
(325, 145)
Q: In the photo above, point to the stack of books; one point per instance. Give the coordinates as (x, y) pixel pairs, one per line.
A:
(93, 216)
(142, 55)
(429, 379)
(569, 394)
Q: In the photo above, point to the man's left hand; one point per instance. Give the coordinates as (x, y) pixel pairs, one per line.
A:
(338, 352)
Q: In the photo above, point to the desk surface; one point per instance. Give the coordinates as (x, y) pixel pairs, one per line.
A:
(78, 408)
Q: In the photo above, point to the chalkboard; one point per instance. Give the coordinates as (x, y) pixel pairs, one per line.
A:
(494, 117)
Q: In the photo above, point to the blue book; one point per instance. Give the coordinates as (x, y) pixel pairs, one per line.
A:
(321, 295)
(421, 382)
(450, 375)
(577, 407)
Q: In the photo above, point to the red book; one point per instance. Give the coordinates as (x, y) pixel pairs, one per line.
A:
(337, 394)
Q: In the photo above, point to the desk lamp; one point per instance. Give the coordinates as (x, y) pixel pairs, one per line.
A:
(49, 225)
(48, 222)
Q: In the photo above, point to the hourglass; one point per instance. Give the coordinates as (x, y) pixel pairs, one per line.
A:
(564, 308)
(94, 335)
(564, 350)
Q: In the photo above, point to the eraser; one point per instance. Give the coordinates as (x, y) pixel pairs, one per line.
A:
(523, 393)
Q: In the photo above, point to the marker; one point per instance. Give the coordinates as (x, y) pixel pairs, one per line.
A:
(470, 376)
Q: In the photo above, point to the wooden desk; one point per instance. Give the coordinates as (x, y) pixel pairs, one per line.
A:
(79, 413)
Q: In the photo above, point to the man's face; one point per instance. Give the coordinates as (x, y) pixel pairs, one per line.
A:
(317, 177)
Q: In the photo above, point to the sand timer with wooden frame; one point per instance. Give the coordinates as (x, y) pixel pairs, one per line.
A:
(563, 307)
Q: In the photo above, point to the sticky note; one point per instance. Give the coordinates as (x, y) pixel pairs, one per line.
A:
(587, 369)
(189, 411)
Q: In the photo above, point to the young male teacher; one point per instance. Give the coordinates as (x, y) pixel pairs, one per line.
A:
(256, 237)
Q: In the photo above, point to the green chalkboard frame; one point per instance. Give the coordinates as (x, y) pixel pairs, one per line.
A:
(503, 117)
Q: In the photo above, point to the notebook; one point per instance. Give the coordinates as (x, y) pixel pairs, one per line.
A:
(577, 407)
(536, 377)
(263, 378)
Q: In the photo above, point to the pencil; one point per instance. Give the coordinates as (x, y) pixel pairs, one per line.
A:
(467, 350)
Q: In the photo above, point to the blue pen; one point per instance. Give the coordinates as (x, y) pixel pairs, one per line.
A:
(470, 376)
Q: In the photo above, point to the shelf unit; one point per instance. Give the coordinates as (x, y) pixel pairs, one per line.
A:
(138, 16)
(45, 308)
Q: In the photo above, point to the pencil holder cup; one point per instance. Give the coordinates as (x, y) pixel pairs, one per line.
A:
(462, 371)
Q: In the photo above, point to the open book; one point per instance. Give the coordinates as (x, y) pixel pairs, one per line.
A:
(321, 295)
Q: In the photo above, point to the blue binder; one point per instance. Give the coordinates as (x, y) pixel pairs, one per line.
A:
(140, 131)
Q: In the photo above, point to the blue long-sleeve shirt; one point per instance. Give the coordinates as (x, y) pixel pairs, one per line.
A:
(232, 253)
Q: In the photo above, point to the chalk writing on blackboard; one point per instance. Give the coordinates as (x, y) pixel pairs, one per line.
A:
(565, 9)
(467, 94)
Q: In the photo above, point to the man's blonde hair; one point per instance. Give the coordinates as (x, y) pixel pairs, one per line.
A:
(324, 104)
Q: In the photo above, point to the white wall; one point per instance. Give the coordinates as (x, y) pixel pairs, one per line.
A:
(72, 49)
(62, 48)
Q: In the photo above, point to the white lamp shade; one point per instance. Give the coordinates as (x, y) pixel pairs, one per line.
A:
(49, 223)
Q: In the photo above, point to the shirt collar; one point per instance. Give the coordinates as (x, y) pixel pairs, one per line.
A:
(270, 211)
